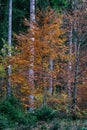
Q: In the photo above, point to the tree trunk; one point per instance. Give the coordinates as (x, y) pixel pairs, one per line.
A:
(70, 63)
(45, 96)
(76, 51)
(74, 104)
(32, 19)
(51, 79)
(31, 70)
(9, 45)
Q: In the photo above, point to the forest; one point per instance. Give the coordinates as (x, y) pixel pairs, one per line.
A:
(43, 65)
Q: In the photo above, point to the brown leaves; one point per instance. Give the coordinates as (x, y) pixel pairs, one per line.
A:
(47, 41)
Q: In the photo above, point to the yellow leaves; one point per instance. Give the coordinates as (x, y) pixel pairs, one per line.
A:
(57, 68)
(57, 103)
(54, 100)
(25, 89)
(2, 71)
(45, 65)
(38, 95)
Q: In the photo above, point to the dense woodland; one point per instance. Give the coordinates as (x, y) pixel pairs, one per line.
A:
(43, 63)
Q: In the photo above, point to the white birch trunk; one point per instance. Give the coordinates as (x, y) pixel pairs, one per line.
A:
(9, 45)
(31, 70)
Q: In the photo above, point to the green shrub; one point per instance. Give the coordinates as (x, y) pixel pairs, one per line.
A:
(83, 128)
(56, 126)
(67, 127)
(3, 122)
(14, 114)
(43, 127)
(31, 118)
(15, 102)
(45, 113)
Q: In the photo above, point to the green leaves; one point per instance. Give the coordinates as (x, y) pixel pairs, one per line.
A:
(55, 4)
(2, 71)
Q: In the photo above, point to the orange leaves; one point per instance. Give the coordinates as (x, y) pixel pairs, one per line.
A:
(47, 43)
(18, 78)
(58, 101)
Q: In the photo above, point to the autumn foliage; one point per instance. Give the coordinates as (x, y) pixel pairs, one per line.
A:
(44, 46)
(48, 44)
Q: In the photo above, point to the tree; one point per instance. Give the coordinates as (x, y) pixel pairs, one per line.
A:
(20, 10)
(31, 66)
(79, 33)
(77, 20)
(47, 38)
(9, 49)
(54, 4)
(57, 5)
(3, 21)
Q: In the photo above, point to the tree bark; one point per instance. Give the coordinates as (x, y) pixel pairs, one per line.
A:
(74, 103)
(70, 63)
(31, 70)
(9, 47)
(51, 79)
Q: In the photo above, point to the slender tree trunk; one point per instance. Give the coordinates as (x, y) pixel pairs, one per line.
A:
(44, 84)
(31, 70)
(32, 19)
(75, 81)
(45, 96)
(70, 64)
(9, 50)
(76, 51)
(75, 29)
(10, 28)
(51, 79)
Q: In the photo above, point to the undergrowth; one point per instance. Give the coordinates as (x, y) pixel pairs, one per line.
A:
(13, 115)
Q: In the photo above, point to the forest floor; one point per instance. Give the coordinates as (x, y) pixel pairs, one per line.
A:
(62, 124)
(56, 124)
(14, 117)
